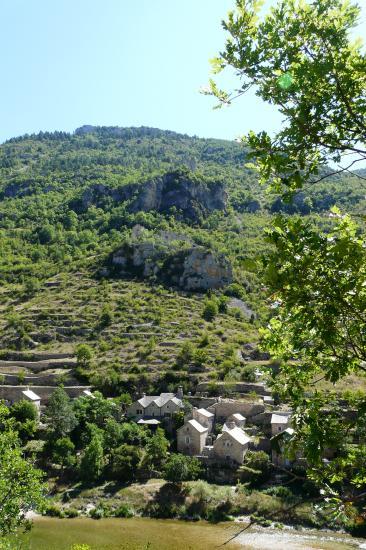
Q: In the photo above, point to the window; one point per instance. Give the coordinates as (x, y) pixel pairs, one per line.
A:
(139, 411)
(188, 439)
(279, 428)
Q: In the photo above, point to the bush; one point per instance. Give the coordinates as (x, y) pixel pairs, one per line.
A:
(71, 512)
(235, 290)
(210, 310)
(54, 511)
(106, 316)
(280, 491)
(223, 304)
(124, 511)
(97, 513)
(260, 520)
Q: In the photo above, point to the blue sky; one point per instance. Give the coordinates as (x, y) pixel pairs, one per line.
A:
(66, 63)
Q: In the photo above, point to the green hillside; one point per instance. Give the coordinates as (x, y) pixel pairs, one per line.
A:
(70, 202)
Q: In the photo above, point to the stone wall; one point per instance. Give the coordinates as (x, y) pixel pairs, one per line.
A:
(43, 380)
(13, 393)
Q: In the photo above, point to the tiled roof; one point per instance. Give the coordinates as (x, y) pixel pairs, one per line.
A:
(31, 395)
(205, 413)
(146, 400)
(238, 416)
(279, 419)
(159, 400)
(195, 425)
(237, 434)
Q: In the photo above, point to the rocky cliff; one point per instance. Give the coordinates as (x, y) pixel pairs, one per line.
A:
(188, 196)
(191, 268)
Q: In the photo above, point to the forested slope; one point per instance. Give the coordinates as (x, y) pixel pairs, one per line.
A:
(70, 202)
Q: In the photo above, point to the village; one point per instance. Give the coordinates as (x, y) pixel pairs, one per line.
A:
(217, 430)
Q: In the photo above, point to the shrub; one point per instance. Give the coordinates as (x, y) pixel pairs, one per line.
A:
(204, 340)
(280, 491)
(124, 511)
(97, 513)
(223, 304)
(71, 512)
(210, 310)
(235, 290)
(106, 316)
(54, 511)
(260, 520)
(200, 357)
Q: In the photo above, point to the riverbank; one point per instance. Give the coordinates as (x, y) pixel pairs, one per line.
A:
(143, 533)
(195, 500)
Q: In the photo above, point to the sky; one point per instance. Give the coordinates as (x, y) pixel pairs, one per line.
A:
(66, 63)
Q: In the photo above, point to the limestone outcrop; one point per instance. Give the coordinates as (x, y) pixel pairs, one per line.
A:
(190, 268)
(179, 192)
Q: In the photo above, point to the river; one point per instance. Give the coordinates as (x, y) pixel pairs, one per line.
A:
(151, 534)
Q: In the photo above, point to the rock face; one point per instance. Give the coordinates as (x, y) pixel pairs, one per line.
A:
(202, 270)
(194, 268)
(189, 197)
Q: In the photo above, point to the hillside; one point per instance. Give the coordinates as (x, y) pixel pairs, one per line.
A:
(113, 236)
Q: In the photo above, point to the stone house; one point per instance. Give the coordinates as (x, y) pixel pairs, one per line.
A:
(279, 422)
(238, 419)
(156, 406)
(231, 445)
(205, 418)
(191, 438)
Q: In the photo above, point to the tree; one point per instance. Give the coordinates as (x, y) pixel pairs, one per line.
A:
(124, 462)
(21, 487)
(84, 355)
(92, 462)
(156, 450)
(63, 452)
(24, 410)
(179, 468)
(301, 59)
(256, 468)
(26, 416)
(60, 415)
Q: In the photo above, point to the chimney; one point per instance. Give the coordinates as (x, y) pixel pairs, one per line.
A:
(180, 392)
(144, 394)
